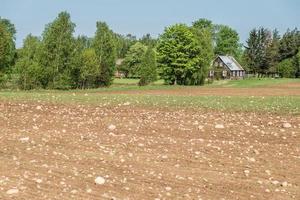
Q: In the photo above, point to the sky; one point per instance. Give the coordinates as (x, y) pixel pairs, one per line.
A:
(140, 17)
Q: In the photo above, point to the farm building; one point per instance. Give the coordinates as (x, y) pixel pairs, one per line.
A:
(226, 67)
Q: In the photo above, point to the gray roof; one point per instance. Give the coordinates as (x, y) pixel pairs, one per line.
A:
(231, 63)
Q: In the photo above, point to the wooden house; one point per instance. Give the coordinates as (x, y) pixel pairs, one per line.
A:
(226, 67)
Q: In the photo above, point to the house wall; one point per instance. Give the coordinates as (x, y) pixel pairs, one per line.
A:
(221, 71)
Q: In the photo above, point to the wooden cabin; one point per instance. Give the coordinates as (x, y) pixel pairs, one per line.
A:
(226, 67)
(118, 73)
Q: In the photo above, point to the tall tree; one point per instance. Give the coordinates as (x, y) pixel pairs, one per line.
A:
(105, 48)
(204, 24)
(27, 67)
(289, 44)
(124, 43)
(133, 59)
(227, 42)
(148, 71)
(256, 50)
(58, 52)
(7, 44)
(148, 41)
(272, 53)
(89, 69)
(181, 55)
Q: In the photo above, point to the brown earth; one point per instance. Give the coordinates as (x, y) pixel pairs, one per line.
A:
(52, 151)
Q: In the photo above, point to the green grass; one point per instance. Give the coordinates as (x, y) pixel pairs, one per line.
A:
(274, 104)
(131, 84)
(130, 81)
(252, 83)
(287, 104)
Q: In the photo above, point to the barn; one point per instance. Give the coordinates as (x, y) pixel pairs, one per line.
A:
(226, 67)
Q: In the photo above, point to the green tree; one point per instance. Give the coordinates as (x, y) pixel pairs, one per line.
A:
(289, 44)
(148, 41)
(133, 59)
(272, 52)
(182, 54)
(89, 69)
(297, 64)
(27, 67)
(227, 42)
(148, 71)
(105, 48)
(287, 68)
(124, 43)
(256, 51)
(204, 24)
(7, 44)
(58, 52)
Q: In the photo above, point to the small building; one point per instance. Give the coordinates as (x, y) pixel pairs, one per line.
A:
(226, 67)
(118, 73)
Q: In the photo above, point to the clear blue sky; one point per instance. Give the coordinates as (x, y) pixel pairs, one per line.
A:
(150, 16)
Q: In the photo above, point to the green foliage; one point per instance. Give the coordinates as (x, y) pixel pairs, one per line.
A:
(58, 52)
(227, 42)
(148, 71)
(204, 24)
(289, 44)
(105, 48)
(272, 52)
(148, 41)
(256, 51)
(297, 64)
(28, 67)
(123, 43)
(89, 69)
(133, 59)
(287, 69)
(7, 44)
(184, 55)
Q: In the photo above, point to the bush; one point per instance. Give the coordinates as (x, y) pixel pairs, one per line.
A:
(287, 69)
(148, 68)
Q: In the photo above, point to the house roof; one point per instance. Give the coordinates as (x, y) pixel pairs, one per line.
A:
(231, 63)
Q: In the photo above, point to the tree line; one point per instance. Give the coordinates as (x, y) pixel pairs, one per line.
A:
(181, 55)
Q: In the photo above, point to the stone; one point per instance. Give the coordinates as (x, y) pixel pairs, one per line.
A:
(12, 191)
(284, 184)
(24, 139)
(286, 125)
(112, 127)
(219, 126)
(99, 180)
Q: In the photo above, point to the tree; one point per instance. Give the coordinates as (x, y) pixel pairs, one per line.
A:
(58, 52)
(287, 69)
(105, 48)
(182, 55)
(227, 42)
(7, 44)
(28, 67)
(133, 59)
(297, 64)
(124, 43)
(204, 24)
(89, 69)
(148, 41)
(272, 52)
(289, 44)
(148, 69)
(256, 51)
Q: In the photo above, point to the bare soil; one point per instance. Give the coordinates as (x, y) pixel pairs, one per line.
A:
(55, 151)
